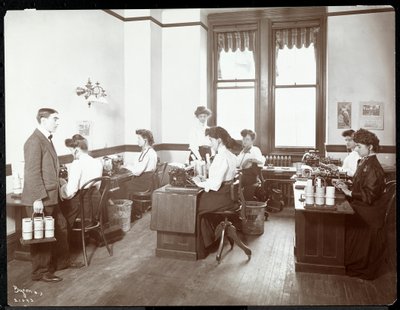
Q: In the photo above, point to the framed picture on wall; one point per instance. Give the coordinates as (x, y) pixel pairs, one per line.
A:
(371, 115)
(84, 128)
(343, 115)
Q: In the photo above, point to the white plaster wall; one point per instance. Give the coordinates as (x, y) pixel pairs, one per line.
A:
(47, 55)
(156, 81)
(137, 73)
(183, 80)
(361, 67)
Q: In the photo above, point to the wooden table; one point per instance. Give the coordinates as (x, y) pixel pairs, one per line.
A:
(320, 236)
(173, 216)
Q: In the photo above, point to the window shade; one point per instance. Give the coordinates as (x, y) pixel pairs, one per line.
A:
(236, 40)
(296, 37)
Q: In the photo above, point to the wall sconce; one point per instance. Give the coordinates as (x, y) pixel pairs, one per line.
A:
(92, 93)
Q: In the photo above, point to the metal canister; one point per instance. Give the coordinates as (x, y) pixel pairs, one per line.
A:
(38, 225)
(27, 228)
(49, 227)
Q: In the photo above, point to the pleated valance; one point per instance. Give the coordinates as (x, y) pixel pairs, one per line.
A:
(236, 40)
(298, 37)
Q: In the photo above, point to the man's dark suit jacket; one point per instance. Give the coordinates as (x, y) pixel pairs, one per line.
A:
(41, 171)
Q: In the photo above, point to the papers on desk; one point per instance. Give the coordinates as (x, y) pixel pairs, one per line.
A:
(280, 169)
(188, 189)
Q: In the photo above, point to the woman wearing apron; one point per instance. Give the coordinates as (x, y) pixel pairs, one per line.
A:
(199, 144)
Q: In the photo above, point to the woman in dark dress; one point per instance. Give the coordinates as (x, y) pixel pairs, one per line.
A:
(216, 195)
(365, 235)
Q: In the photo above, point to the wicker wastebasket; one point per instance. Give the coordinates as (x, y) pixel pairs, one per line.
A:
(254, 222)
(119, 213)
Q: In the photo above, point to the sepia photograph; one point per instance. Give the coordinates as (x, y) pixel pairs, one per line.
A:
(200, 156)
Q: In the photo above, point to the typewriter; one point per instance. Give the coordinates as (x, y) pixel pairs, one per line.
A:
(181, 177)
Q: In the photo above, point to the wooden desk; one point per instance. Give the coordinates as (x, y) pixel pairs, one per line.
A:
(320, 236)
(22, 252)
(282, 177)
(173, 216)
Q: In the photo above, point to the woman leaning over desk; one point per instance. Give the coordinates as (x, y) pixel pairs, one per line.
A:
(83, 169)
(216, 195)
(365, 236)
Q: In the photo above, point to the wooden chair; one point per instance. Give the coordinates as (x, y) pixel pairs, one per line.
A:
(141, 198)
(390, 190)
(390, 223)
(226, 227)
(92, 205)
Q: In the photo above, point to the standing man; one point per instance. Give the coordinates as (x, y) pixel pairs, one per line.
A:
(41, 195)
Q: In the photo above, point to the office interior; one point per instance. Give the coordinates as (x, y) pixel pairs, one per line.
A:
(156, 67)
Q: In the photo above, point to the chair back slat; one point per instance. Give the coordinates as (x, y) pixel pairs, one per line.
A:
(87, 197)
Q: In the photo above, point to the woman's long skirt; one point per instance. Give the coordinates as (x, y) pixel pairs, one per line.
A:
(206, 223)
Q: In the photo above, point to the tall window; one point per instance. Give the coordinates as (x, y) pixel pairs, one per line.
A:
(267, 74)
(295, 88)
(235, 79)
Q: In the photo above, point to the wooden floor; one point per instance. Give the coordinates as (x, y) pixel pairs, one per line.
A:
(134, 276)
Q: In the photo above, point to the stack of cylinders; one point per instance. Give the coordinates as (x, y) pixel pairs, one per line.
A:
(38, 227)
(27, 228)
(330, 196)
(49, 227)
(320, 195)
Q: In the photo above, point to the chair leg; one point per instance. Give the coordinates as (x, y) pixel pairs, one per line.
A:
(231, 232)
(221, 244)
(109, 249)
(231, 241)
(83, 241)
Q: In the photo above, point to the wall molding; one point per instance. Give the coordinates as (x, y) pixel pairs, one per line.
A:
(66, 159)
(356, 12)
(152, 19)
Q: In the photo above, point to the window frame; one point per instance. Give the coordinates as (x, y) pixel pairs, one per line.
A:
(319, 86)
(212, 36)
(266, 19)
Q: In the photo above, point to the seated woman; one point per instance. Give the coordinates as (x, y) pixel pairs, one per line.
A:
(144, 165)
(250, 161)
(216, 195)
(365, 236)
(83, 168)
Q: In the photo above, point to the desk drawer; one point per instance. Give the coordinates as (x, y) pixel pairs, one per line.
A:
(177, 245)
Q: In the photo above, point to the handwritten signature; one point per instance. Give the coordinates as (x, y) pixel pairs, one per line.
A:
(26, 293)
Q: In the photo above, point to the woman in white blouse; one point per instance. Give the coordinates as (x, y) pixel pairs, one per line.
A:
(216, 195)
(83, 168)
(144, 165)
(249, 161)
(350, 162)
(199, 144)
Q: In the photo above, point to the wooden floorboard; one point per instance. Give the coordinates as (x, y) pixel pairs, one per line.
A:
(134, 276)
